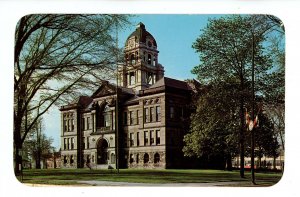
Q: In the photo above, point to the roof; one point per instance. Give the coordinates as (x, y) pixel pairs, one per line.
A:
(141, 34)
(107, 88)
(81, 101)
(169, 82)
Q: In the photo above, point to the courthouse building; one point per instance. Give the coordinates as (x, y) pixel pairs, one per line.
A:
(152, 115)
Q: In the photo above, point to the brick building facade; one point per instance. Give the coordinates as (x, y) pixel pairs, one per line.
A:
(152, 116)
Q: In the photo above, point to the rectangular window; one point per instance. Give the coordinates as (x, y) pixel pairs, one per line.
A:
(131, 138)
(147, 115)
(88, 122)
(83, 143)
(151, 137)
(65, 143)
(113, 120)
(106, 120)
(152, 115)
(157, 113)
(72, 143)
(172, 112)
(82, 124)
(157, 137)
(146, 138)
(125, 118)
(69, 143)
(131, 118)
(137, 116)
(72, 124)
(87, 142)
(65, 126)
(137, 138)
(181, 112)
(69, 125)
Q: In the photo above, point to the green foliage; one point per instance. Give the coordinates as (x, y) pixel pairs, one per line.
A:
(215, 124)
(266, 140)
(228, 47)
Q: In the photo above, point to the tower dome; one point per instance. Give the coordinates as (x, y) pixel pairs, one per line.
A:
(140, 36)
(141, 68)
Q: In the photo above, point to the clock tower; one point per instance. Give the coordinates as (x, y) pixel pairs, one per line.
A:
(141, 68)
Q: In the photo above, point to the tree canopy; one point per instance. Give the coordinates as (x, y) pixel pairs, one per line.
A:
(228, 48)
(55, 55)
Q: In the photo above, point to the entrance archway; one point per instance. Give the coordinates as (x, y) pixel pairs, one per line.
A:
(102, 151)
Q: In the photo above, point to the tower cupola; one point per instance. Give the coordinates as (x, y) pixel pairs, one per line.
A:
(141, 68)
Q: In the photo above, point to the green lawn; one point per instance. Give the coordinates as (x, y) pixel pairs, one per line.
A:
(71, 176)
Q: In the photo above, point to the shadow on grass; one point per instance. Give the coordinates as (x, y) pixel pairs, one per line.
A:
(71, 176)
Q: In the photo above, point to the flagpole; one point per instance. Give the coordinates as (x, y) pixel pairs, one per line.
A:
(253, 129)
(117, 104)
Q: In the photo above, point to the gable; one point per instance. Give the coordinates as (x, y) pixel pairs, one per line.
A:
(104, 90)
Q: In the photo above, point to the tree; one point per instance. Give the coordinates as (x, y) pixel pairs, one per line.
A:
(227, 48)
(214, 125)
(37, 146)
(55, 56)
(266, 142)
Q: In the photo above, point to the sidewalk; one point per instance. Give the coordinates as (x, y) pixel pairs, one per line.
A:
(126, 184)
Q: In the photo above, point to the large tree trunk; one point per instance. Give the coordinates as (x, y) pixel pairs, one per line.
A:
(17, 146)
(274, 163)
(259, 161)
(228, 162)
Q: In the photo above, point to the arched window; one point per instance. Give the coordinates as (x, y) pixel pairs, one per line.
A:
(132, 59)
(146, 158)
(65, 160)
(156, 158)
(154, 62)
(149, 60)
(131, 78)
(113, 158)
(150, 78)
(102, 155)
(88, 160)
(131, 158)
(71, 159)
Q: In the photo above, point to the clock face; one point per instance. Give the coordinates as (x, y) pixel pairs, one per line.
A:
(149, 44)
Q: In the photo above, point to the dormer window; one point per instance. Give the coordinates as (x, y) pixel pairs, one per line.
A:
(149, 44)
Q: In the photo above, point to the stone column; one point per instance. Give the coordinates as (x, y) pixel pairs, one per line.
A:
(93, 121)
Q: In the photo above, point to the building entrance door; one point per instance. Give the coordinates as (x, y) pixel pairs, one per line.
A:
(102, 151)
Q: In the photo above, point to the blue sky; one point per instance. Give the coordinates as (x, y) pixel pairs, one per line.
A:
(174, 35)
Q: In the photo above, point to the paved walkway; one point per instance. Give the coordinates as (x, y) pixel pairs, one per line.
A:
(126, 184)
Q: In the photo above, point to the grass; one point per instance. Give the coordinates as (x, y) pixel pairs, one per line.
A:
(71, 176)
